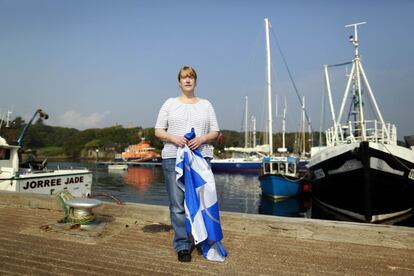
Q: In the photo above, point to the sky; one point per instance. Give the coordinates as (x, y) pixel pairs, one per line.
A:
(94, 64)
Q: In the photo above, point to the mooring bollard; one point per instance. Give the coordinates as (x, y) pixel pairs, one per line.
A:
(80, 210)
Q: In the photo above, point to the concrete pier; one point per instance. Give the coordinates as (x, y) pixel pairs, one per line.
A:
(136, 239)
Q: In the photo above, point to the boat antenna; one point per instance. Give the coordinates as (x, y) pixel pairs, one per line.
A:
(9, 112)
(354, 39)
(357, 72)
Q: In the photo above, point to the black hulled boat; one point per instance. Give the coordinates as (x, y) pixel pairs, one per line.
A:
(362, 172)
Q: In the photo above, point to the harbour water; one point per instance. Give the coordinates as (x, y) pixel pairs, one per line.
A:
(235, 192)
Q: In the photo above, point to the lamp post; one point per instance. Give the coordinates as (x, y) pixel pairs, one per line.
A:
(97, 155)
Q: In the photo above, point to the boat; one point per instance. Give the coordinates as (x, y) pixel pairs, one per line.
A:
(279, 177)
(34, 177)
(141, 152)
(117, 167)
(245, 160)
(362, 172)
(236, 165)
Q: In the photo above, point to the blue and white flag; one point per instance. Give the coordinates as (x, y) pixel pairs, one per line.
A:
(196, 179)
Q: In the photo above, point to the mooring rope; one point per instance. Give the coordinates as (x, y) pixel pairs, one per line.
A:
(70, 217)
(291, 180)
(108, 196)
(396, 159)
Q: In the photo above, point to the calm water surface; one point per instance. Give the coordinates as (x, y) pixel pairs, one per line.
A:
(235, 192)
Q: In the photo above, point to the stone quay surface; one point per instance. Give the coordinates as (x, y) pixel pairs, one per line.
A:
(136, 239)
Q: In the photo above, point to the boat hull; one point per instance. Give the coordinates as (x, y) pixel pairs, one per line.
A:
(77, 182)
(137, 159)
(118, 167)
(236, 167)
(364, 181)
(286, 207)
(279, 186)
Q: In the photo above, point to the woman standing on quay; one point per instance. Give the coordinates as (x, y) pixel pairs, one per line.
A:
(176, 118)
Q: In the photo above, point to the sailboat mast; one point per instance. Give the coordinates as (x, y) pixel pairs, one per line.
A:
(269, 86)
(246, 104)
(283, 149)
(253, 131)
(303, 127)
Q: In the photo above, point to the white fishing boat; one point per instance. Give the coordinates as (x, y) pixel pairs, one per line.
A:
(35, 177)
(362, 172)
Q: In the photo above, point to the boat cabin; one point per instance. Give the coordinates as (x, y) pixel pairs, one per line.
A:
(283, 165)
(9, 160)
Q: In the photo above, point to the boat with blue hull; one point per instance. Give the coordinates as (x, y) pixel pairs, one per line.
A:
(280, 176)
(236, 165)
(244, 160)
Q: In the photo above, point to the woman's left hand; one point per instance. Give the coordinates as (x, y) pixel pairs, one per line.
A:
(196, 142)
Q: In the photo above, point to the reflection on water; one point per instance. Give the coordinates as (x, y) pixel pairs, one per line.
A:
(238, 193)
(139, 177)
(137, 184)
(235, 193)
(286, 207)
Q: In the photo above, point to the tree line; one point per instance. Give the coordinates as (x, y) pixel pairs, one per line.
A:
(72, 143)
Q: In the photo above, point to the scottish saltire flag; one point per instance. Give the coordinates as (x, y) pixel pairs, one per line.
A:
(196, 179)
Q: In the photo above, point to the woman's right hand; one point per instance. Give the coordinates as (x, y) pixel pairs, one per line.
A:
(161, 134)
(179, 140)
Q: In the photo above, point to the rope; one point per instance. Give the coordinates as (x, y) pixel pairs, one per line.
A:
(119, 202)
(291, 180)
(291, 78)
(62, 198)
(77, 219)
(396, 159)
(70, 217)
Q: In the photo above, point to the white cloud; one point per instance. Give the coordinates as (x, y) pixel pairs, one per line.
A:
(74, 119)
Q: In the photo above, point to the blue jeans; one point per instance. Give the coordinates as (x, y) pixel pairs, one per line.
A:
(177, 212)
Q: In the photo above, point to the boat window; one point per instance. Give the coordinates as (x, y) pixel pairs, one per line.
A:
(267, 167)
(291, 168)
(274, 167)
(282, 168)
(4, 154)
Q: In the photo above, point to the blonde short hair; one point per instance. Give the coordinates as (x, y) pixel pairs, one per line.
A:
(187, 70)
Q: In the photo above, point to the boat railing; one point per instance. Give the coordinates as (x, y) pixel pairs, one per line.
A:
(69, 167)
(353, 132)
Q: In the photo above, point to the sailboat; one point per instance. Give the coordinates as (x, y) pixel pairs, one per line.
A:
(279, 177)
(244, 159)
(362, 172)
